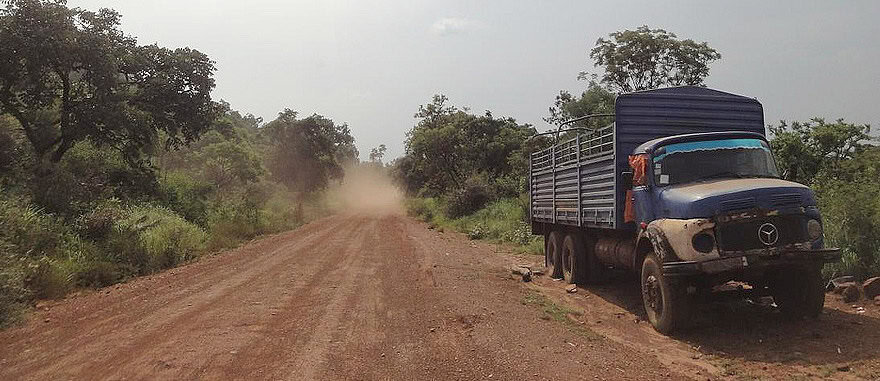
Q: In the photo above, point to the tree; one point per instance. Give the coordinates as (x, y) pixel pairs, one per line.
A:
(448, 146)
(68, 75)
(595, 100)
(648, 58)
(376, 154)
(839, 163)
(803, 150)
(308, 153)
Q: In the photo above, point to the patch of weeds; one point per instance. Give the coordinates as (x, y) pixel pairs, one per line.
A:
(728, 367)
(559, 313)
(826, 371)
(477, 232)
(867, 373)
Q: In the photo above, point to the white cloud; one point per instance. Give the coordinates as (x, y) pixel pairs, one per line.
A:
(450, 25)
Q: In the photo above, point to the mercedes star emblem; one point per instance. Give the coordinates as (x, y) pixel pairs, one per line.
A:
(768, 234)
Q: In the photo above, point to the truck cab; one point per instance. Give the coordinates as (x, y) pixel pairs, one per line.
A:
(687, 211)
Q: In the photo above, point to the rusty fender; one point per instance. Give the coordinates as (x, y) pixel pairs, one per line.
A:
(671, 239)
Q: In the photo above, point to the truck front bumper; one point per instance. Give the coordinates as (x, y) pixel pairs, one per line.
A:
(748, 262)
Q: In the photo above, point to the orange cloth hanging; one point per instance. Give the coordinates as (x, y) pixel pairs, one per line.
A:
(639, 165)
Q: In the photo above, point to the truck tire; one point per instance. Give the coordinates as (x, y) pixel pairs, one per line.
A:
(667, 304)
(553, 254)
(594, 271)
(800, 292)
(573, 258)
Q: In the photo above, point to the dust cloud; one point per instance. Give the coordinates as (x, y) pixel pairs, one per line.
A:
(366, 189)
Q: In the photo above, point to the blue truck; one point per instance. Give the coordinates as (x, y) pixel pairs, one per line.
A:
(682, 188)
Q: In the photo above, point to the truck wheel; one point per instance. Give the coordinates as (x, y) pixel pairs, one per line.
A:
(594, 272)
(800, 292)
(553, 254)
(573, 256)
(666, 303)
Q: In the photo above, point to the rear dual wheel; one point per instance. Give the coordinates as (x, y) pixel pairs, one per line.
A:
(574, 259)
(553, 254)
(567, 257)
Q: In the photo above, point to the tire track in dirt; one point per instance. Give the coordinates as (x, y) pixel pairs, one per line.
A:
(137, 323)
(243, 288)
(300, 317)
(350, 297)
(212, 270)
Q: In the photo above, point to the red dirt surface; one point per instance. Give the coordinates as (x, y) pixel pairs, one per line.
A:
(382, 297)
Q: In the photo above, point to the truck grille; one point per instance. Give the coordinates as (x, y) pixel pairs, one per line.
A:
(740, 236)
(738, 204)
(787, 199)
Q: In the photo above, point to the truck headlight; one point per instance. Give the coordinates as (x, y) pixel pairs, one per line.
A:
(814, 229)
(703, 242)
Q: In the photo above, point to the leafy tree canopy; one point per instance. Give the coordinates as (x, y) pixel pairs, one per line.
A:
(839, 162)
(376, 154)
(308, 152)
(646, 58)
(594, 100)
(68, 75)
(448, 145)
(803, 150)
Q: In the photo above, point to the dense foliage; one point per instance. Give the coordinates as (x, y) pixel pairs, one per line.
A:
(115, 161)
(840, 163)
(69, 75)
(466, 159)
(646, 58)
(309, 152)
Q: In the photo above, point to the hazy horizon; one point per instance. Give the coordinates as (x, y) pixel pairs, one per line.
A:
(372, 65)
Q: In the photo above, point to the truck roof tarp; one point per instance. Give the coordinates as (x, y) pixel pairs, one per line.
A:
(578, 182)
(646, 115)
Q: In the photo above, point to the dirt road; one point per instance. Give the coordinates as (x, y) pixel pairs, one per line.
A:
(382, 297)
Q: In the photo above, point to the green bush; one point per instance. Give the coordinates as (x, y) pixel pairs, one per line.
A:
(86, 176)
(478, 231)
(421, 208)
(283, 210)
(27, 228)
(100, 273)
(851, 211)
(151, 238)
(473, 195)
(186, 195)
(48, 280)
(13, 293)
(98, 223)
(231, 223)
(500, 221)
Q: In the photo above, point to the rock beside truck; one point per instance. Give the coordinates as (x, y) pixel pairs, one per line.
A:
(852, 293)
(839, 284)
(524, 272)
(871, 287)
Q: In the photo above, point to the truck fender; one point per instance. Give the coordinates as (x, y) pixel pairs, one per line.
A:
(644, 246)
(671, 239)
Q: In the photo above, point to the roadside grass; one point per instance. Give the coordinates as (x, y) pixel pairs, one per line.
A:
(45, 256)
(558, 313)
(501, 221)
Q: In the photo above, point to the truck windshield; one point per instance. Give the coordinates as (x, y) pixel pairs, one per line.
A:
(712, 159)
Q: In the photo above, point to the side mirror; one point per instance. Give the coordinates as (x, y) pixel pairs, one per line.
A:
(626, 179)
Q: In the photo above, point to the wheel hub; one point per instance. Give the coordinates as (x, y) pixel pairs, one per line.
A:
(652, 292)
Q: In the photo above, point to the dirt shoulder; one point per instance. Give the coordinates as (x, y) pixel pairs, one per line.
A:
(383, 297)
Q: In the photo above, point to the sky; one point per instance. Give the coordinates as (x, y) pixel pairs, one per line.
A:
(372, 63)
